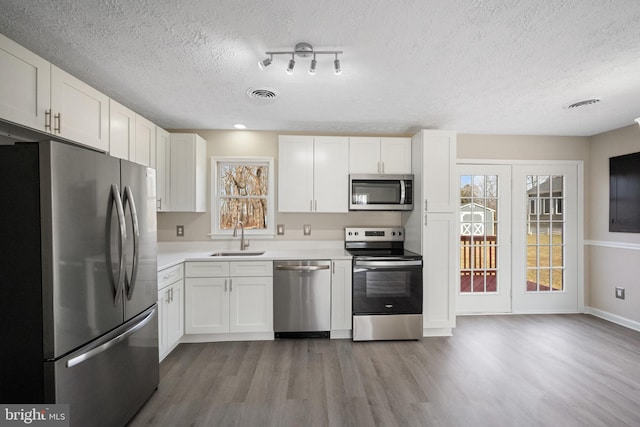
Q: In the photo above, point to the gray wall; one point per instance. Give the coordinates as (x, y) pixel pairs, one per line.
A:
(613, 259)
(253, 143)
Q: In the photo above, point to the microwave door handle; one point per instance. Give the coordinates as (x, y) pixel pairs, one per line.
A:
(403, 192)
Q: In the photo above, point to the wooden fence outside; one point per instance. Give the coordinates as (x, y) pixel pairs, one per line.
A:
(478, 255)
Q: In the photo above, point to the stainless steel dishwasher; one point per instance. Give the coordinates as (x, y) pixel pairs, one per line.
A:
(302, 299)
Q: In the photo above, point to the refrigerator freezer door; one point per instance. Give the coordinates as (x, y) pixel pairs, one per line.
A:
(139, 200)
(80, 296)
(106, 382)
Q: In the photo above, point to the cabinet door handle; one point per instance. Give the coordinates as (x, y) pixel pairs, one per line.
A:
(225, 285)
(58, 118)
(171, 290)
(378, 167)
(315, 206)
(230, 285)
(311, 205)
(426, 206)
(333, 267)
(382, 167)
(159, 204)
(167, 298)
(425, 220)
(47, 120)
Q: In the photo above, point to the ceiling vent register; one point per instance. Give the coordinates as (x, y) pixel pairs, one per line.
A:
(264, 94)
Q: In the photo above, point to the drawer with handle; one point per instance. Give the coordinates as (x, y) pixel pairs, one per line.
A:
(170, 275)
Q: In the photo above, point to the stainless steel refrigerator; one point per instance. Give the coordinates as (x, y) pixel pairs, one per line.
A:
(78, 281)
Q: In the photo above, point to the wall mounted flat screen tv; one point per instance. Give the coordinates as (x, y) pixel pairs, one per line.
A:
(624, 193)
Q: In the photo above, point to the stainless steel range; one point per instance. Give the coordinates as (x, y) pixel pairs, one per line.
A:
(387, 285)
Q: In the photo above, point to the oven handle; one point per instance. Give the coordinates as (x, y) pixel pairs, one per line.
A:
(388, 264)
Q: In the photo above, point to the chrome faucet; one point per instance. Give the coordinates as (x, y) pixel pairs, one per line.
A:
(244, 244)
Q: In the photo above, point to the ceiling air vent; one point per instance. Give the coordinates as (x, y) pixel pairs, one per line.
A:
(582, 103)
(263, 94)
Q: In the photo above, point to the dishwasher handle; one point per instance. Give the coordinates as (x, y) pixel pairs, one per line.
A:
(302, 267)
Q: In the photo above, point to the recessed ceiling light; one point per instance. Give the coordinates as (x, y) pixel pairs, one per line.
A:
(240, 126)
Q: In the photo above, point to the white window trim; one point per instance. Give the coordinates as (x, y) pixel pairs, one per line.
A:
(216, 232)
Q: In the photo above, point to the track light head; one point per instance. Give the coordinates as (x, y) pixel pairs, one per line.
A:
(314, 64)
(265, 62)
(336, 65)
(292, 64)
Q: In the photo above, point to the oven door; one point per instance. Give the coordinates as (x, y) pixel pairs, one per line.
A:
(387, 287)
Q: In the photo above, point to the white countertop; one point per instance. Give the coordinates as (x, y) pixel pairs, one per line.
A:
(173, 253)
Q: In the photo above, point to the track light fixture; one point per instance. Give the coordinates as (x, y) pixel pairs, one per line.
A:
(303, 50)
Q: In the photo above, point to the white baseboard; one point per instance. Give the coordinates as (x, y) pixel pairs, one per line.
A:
(437, 332)
(249, 336)
(341, 334)
(614, 318)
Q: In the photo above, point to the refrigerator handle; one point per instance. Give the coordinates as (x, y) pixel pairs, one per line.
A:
(100, 348)
(128, 199)
(117, 283)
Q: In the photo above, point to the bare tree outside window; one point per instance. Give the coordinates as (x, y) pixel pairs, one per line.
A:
(243, 195)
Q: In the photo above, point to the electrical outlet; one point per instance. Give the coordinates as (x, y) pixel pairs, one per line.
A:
(280, 229)
(180, 230)
(307, 229)
(619, 292)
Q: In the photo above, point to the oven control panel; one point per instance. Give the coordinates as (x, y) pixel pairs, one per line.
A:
(374, 234)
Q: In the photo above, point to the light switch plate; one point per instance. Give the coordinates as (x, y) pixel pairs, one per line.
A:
(619, 292)
(307, 229)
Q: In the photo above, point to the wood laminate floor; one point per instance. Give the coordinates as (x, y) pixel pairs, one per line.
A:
(533, 370)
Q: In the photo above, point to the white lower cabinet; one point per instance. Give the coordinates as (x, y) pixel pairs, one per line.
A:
(341, 295)
(170, 309)
(228, 297)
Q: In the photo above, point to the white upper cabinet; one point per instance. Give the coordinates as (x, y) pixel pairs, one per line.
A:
(364, 155)
(163, 168)
(374, 155)
(25, 86)
(295, 173)
(122, 122)
(145, 140)
(188, 173)
(436, 154)
(331, 174)
(313, 173)
(78, 111)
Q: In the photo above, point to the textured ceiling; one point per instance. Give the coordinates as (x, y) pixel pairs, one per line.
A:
(475, 66)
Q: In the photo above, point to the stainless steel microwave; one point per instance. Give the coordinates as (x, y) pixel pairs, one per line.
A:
(380, 192)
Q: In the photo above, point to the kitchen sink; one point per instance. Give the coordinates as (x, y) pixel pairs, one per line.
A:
(237, 253)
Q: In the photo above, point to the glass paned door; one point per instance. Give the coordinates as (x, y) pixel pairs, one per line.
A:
(485, 226)
(545, 222)
(545, 233)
